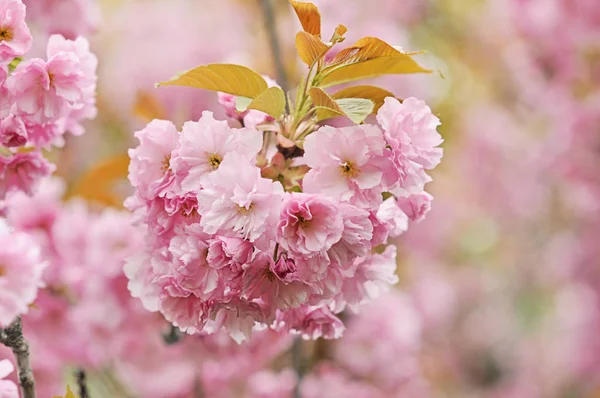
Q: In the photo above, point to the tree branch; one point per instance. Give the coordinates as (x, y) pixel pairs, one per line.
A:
(13, 338)
(297, 363)
(82, 383)
(271, 27)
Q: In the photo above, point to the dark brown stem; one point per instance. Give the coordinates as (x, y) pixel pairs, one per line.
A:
(13, 338)
(271, 27)
(298, 364)
(82, 383)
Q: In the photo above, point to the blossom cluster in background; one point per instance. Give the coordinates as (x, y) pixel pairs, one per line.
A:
(41, 99)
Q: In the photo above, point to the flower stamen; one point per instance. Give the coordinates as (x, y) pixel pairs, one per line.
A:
(166, 164)
(6, 34)
(348, 169)
(243, 210)
(214, 159)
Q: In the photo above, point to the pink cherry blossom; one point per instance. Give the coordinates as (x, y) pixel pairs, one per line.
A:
(15, 38)
(276, 284)
(203, 145)
(224, 251)
(42, 91)
(8, 389)
(356, 237)
(150, 167)
(236, 199)
(88, 63)
(410, 130)
(191, 268)
(348, 163)
(368, 278)
(22, 172)
(311, 322)
(141, 270)
(181, 307)
(20, 273)
(416, 206)
(309, 223)
(13, 132)
(5, 98)
(391, 220)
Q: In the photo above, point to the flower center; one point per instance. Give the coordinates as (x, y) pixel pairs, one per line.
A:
(2, 270)
(269, 274)
(214, 160)
(243, 210)
(6, 34)
(302, 221)
(348, 169)
(164, 166)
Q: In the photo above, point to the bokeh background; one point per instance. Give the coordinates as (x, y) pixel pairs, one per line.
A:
(499, 292)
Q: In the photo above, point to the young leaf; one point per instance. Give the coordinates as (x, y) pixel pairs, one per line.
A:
(338, 34)
(97, 184)
(271, 102)
(228, 78)
(309, 17)
(357, 109)
(310, 48)
(69, 394)
(241, 103)
(363, 50)
(373, 93)
(394, 65)
(325, 105)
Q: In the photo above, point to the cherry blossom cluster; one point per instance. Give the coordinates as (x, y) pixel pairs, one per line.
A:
(40, 100)
(239, 232)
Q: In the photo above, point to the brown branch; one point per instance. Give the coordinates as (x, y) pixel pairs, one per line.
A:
(81, 377)
(298, 363)
(13, 338)
(271, 27)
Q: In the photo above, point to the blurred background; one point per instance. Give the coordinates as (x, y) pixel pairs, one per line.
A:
(499, 292)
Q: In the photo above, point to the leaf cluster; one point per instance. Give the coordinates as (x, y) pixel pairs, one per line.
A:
(367, 58)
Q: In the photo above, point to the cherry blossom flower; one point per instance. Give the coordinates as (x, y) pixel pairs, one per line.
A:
(236, 199)
(15, 38)
(23, 172)
(13, 132)
(410, 130)
(347, 163)
(20, 273)
(150, 168)
(203, 145)
(309, 224)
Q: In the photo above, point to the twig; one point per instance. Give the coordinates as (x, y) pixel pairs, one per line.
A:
(82, 383)
(298, 364)
(271, 27)
(13, 338)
